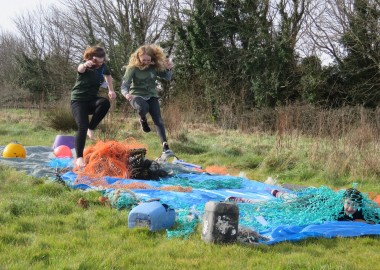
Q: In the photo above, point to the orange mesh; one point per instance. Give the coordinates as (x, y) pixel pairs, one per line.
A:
(377, 199)
(372, 195)
(216, 169)
(101, 182)
(111, 159)
(108, 158)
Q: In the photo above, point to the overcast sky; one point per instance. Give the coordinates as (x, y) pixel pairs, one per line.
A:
(11, 8)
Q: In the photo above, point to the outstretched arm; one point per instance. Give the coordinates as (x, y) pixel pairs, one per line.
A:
(167, 74)
(111, 92)
(126, 84)
(82, 67)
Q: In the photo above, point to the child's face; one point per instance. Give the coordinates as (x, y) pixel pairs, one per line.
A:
(350, 207)
(145, 59)
(98, 61)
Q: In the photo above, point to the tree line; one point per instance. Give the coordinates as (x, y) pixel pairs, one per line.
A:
(242, 54)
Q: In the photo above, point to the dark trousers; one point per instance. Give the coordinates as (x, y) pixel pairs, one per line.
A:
(151, 106)
(98, 108)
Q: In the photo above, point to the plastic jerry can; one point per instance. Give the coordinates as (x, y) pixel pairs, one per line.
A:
(220, 222)
(153, 215)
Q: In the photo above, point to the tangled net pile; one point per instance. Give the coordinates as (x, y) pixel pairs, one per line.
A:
(121, 160)
(310, 206)
(112, 158)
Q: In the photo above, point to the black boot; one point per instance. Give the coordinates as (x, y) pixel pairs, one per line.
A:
(165, 147)
(144, 125)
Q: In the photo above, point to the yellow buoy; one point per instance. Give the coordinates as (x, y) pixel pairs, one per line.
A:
(14, 150)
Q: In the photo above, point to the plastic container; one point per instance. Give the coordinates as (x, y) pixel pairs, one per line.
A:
(152, 215)
(220, 222)
(64, 140)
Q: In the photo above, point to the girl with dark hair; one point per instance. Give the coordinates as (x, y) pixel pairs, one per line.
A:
(92, 73)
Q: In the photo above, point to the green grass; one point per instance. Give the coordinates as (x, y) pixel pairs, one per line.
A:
(42, 227)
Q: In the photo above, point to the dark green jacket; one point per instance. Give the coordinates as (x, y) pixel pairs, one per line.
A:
(142, 83)
(87, 84)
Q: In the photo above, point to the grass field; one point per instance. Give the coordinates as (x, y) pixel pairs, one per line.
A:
(42, 227)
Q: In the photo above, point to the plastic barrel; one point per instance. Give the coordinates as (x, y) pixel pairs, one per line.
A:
(220, 222)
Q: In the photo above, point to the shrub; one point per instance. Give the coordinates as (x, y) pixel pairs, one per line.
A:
(61, 119)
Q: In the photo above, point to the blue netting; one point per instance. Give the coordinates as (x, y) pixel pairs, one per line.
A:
(61, 163)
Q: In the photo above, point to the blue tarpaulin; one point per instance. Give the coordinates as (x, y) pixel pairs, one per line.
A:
(252, 190)
(41, 162)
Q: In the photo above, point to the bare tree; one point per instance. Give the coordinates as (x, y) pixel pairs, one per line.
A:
(120, 25)
(331, 20)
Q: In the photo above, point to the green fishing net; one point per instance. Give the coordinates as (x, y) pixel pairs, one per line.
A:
(186, 223)
(308, 206)
(227, 182)
(121, 199)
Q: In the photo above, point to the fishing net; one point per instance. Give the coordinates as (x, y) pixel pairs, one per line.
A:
(211, 183)
(215, 169)
(101, 183)
(258, 212)
(309, 206)
(112, 158)
(120, 199)
(119, 159)
(186, 222)
(306, 207)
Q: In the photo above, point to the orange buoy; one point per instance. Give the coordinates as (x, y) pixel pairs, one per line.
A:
(63, 151)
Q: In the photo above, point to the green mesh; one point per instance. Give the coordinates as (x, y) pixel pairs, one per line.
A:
(185, 225)
(186, 222)
(310, 206)
(209, 184)
(122, 199)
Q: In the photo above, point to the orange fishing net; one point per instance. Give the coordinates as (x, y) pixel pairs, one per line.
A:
(374, 197)
(109, 158)
(102, 183)
(116, 159)
(216, 169)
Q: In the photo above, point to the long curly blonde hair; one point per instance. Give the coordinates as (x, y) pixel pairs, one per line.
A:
(154, 51)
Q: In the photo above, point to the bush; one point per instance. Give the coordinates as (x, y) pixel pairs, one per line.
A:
(60, 119)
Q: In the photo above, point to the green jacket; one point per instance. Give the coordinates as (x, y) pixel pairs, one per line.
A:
(87, 85)
(142, 83)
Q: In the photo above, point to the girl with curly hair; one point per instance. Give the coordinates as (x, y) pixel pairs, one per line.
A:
(146, 64)
(92, 73)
